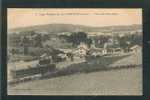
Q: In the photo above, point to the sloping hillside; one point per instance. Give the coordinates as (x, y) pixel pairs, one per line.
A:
(58, 28)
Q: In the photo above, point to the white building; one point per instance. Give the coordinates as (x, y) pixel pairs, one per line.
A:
(82, 50)
(136, 48)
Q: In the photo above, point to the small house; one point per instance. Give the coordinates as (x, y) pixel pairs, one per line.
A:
(118, 50)
(110, 50)
(104, 51)
(96, 52)
(82, 50)
(135, 48)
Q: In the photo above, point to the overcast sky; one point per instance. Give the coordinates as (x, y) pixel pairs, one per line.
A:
(91, 17)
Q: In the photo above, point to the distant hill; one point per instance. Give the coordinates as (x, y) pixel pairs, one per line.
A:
(58, 28)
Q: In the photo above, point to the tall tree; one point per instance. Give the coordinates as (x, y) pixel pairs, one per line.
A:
(77, 38)
(25, 43)
(38, 40)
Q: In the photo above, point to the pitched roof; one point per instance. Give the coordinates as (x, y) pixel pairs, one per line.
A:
(135, 46)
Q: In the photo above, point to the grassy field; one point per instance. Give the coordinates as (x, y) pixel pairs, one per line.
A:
(114, 82)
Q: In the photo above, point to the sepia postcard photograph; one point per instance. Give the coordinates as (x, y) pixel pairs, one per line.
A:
(74, 51)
